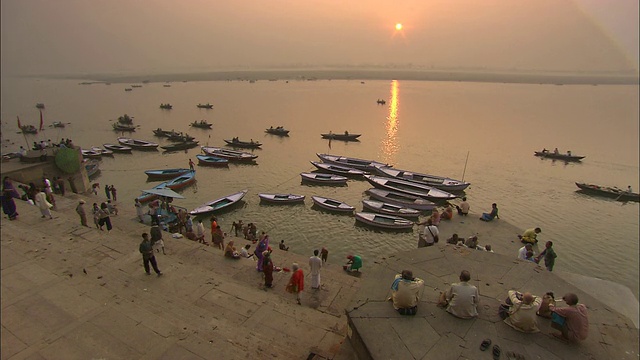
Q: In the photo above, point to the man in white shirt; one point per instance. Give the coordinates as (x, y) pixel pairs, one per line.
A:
(430, 233)
(462, 299)
(463, 208)
(522, 253)
(315, 263)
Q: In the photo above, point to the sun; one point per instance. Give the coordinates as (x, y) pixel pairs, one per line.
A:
(398, 26)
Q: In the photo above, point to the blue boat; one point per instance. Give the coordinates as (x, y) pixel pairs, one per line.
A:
(182, 181)
(208, 160)
(165, 173)
(218, 204)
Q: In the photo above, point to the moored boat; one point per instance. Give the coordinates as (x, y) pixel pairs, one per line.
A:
(219, 204)
(91, 154)
(390, 209)
(164, 174)
(101, 151)
(208, 160)
(337, 169)
(279, 130)
(180, 146)
(205, 106)
(28, 129)
(384, 221)
(442, 183)
(332, 204)
(166, 106)
(230, 155)
(243, 144)
(281, 198)
(125, 119)
(118, 148)
(138, 144)
(361, 164)
(410, 188)
(326, 179)
(610, 192)
(179, 137)
(58, 124)
(344, 137)
(123, 127)
(182, 181)
(394, 197)
(558, 156)
(202, 124)
(164, 133)
(92, 167)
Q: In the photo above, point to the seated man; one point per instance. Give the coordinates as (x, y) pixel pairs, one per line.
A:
(522, 253)
(463, 208)
(529, 236)
(406, 292)
(522, 313)
(472, 242)
(354, 263)
(447, 214)
(572, 321)
(461, 300)
(453, 240)
(492, 215)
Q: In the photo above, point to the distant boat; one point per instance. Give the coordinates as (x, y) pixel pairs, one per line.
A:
(40, 105)
(361, 164)
(611, 192)
(281, 198)
(230, 155)
(202, 124)
(332, 204)
(182, 181)
(280, 131)
(125, 119)
(205, 106)
(344, 137)
(564, 157)
(337, 169)
(166, 85)
(87, 153)
(384, 221)
(219, 204)
(393, 197)
(92, 167)
(208, 160)
(58, 124)
(138, 144)
(164, 133)
(324, 179)
(410, 188)
(442, 183)
(381, 102)
(390, 209)
(123, 127)
(164, 174)
(28, 129)
(166, 106)
(243, 144)
(136, 86)
(128, 89)
(180, 146)
(101, 151)
(118, 148)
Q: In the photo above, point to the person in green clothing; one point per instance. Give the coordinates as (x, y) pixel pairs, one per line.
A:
(549, 256)
(354, 263)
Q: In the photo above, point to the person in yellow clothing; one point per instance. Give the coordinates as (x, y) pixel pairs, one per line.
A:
(406, 291)
(530, 236)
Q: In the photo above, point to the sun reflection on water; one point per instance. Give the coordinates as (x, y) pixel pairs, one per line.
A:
(390, 143)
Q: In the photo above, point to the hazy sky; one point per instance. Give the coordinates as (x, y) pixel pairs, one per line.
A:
(151, 36)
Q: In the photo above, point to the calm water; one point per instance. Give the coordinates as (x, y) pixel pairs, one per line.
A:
(425, 126)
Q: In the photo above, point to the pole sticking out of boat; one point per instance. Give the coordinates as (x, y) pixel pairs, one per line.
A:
(465, 166)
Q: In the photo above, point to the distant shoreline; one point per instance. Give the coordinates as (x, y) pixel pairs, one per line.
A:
(362, 75)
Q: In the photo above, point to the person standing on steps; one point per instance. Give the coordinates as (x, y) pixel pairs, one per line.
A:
(146, 249)
(82, 213)
(315, 263)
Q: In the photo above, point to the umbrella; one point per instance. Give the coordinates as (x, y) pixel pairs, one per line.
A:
(166, 192)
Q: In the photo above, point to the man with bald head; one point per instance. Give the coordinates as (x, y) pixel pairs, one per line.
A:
(461, 300)
(575, 326)
(522, 313)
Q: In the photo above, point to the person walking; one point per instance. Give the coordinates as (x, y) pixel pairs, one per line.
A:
(43, 204)
(103, 215)
(146, 249)
(139, 210)
(107, 191)
(83, 215)
(114, 193)
(296, 282)
(48, 191)
(315, 263)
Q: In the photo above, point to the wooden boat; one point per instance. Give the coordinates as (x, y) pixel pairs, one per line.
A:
(118, 148)
(390, 209)
(243, 144)
(325, 179)
(58, 124)
(230, 155)
(128, 89)
(208, 160)
(408, 187)
(393, 197)
(337, 169)
(145, 196)
(384, 221)
(138, 144)
(344, 137)
(92, 167)
(205, 106)
(361, 164)
(563, 157)
(381, 101)
(332, 204)
(165, 173)
(166, 106)
(179, 137)
(610, 192)
(442, 183)
(280, 131)
(136, 86)
(219, 204)
(163, 133)
(281, 198)
(101, 151)
(125, 119)
(180, 146)
(201, 124)
(40, 105)
(182, 181)
(91, 154)
(166, 85)
(28, 129)
(123, 127)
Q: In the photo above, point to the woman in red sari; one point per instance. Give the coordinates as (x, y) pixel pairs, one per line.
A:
(296, 283)
(267, 268)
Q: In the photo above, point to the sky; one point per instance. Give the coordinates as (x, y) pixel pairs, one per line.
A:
(158, 36)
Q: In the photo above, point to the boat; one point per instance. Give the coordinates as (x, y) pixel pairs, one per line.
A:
(554, 156)
(125, 119)
(337, 169)
(182, 181)
(179, 137)
(442, 183)
(208, 160)
(384, 221)
(163, 133)
(165, 174)
(393, 197)
(123, 127)
(118, 148)
(219, 204)
(344, 137)
(389, 209)
(281, 198)
(230, 155)
(128, 89)
(243, 144)
(58, 124)
(279, 130)
(28, 129)
(381, 101)
(40, 105)
(166, 106)
(408, 187)
(326, 179)
(101, 151)
(91, 154)
(166, 85)
(138, 144)
(136, 86)
(361, 164)
(180, 146)
(205, 106)
(611, 192)
(332, 204)
(202, 124)
(92, 167)
(145, 196)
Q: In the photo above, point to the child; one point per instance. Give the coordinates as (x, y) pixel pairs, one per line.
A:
(112, 208)
(283, 247)
(324, 254)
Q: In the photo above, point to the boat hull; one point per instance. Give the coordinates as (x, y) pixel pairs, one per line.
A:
(409, 188)
(384, 221)
(165, 174)
(281, 198)
(279, 132)
(323, 179)
(333, 205)
(182, 181)
(118, 148)
(405, 200)
(219, 204)
(138, 144)
(389, 209)
(563, 157)
(207, 160)
(438, 182)
(613, 193)
(360, 164)
(337, 169)
(231, 155)
(342, 137)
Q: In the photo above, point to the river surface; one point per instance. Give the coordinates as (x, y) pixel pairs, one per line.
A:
(431, 127)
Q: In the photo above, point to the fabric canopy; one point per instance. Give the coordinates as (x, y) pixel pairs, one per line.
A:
(166, 192)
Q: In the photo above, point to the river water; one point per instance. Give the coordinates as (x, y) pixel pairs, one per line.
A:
(431, 127)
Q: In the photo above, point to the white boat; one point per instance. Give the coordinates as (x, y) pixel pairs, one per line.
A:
(393, 197)
(91, 154)
(103, 152)
(281, 198)
(389, 209)
(231, 155)
(332, 205)
(118, 148)
(410, 188)
(439, 182)
(219, 204)
(326, 179)
(384, 221)
(361, 164)
(337, 169)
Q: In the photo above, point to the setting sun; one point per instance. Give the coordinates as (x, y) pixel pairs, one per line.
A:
(398, 26)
